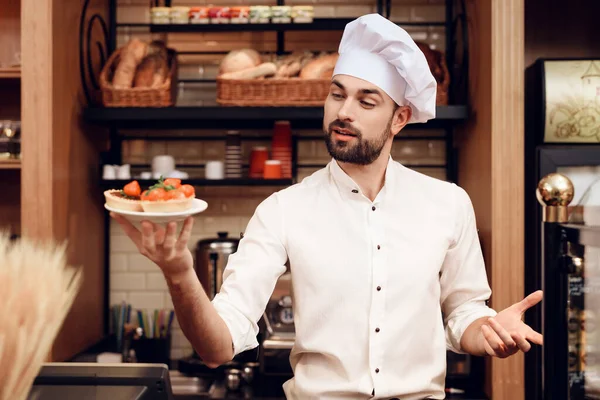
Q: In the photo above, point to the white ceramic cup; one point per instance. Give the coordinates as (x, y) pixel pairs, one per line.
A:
(109, 172)
(124, 172)
(215, 170)
(163, 165)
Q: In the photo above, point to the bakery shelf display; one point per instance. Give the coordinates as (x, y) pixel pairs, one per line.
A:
(251, 90)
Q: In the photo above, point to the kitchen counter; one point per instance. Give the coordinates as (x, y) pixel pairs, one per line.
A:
(186, 387)
(267, 389)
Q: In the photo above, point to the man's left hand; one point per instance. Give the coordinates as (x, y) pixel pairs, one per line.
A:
(506, 333)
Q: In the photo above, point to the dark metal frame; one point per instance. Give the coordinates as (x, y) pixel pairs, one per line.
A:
(455, 19)
(541, 159)
(547, 159)
(558, 382)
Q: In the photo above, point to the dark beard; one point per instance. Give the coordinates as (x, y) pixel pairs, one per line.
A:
(363, 152)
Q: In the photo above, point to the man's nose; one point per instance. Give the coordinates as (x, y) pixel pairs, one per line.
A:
(345, 112)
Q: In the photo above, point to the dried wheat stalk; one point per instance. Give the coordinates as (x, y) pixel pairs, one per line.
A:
(37, 290)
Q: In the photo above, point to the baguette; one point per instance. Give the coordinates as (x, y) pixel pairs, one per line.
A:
(131, 55)
(262, 70)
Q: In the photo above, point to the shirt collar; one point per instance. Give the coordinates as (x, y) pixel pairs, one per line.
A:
(347, 185)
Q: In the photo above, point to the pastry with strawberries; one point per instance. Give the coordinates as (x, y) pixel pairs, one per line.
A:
(165, 196)
(168, 195)
(127, 199)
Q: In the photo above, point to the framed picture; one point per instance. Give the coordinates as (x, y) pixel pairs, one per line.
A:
(571, 100)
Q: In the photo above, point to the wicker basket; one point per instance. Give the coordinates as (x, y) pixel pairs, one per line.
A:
(278, 92)
(298, 92)
(163, 96)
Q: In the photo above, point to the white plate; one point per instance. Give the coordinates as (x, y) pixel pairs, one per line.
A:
(161, 218)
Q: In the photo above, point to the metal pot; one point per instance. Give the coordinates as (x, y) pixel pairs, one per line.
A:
(211, 260)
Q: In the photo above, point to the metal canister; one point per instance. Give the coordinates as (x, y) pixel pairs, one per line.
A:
(211, 259)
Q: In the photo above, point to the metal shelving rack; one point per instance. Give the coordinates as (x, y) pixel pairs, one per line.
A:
(185, 117)
(119, 120)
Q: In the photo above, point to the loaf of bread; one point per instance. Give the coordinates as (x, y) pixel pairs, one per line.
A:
(320, 68)
(152, 71)
(260, 71)
(433, 58)
(131, 55)
(291, 65)
(239, 60)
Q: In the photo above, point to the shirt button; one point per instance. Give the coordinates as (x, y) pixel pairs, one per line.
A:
(354, 191)
(377, 330)
(376, 370)
(373, 208)
(378, 288)
(378, 247)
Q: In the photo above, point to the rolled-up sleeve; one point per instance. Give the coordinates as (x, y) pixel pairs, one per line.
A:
(463, 280)
(251, 274)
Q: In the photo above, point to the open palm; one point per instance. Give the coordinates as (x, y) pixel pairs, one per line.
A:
(506, 333)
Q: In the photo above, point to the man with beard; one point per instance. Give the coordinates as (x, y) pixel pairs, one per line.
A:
(386, 266)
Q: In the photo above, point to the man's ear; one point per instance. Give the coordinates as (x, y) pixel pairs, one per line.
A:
(400, 119)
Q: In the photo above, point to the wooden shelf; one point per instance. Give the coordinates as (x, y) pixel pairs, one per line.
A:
(10, 73)
(10, 164)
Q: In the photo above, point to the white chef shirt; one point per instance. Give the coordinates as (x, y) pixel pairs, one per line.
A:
(380, 288)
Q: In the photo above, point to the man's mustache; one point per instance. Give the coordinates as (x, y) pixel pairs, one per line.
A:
(343, 125)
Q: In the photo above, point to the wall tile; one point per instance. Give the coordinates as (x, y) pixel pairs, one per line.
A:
(117, 297)
(121, 243)
(344, 11)
(139, 263)
(127, 281)
(179, 340)
(429, 13)
(146, 300)
(118, 262)
(156, 281)
(177, 354)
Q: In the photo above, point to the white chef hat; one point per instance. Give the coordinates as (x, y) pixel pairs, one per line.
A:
(378, 51)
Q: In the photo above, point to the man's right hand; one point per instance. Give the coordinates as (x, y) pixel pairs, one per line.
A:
(162, 246)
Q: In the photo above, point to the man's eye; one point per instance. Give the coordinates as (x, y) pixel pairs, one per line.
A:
(337, 96)
(367, 104)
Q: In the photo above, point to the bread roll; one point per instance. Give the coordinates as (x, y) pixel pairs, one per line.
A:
(434, 61)
(239, 60)
(131, 55)
(151, 72)
(264, 69)
(320, 68)
(293, 64)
